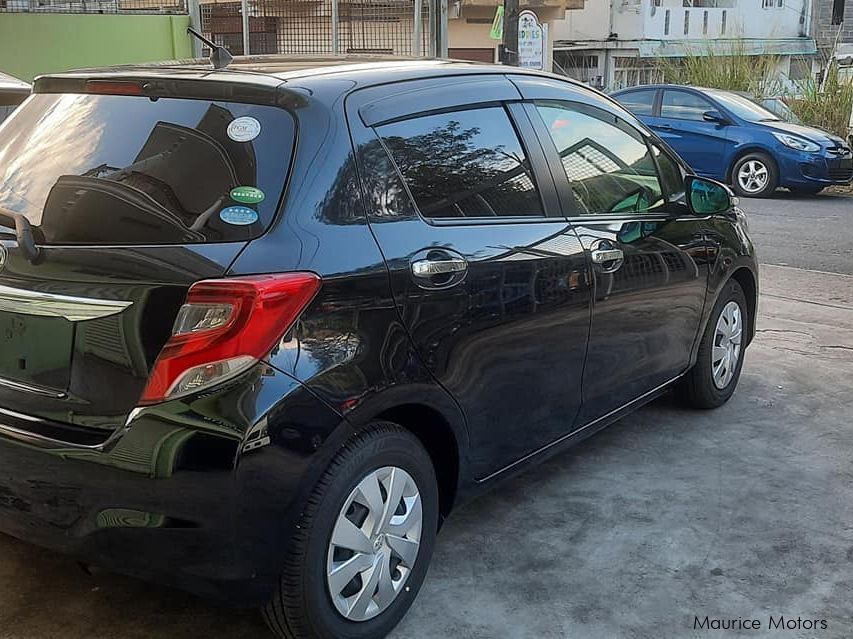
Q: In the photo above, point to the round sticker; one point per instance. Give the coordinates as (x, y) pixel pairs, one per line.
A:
(238, 215)
(244, 129)
(247, 195)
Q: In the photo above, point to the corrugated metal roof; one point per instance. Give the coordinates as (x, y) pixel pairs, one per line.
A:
(682, 48)
(9, 82)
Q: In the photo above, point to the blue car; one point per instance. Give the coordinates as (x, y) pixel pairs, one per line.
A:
(728, 137)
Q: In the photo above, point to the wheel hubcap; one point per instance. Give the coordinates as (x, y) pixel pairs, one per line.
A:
(374, 543)
(727, 339)
(752, 176)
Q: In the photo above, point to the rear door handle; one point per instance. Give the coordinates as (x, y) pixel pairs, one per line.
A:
(428, 268)
(662, 127)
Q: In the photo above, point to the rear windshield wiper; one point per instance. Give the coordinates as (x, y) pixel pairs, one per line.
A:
(24, 233)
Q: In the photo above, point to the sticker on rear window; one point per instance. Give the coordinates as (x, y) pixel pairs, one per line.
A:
(238, 215)
(247, 195)
(244, 129)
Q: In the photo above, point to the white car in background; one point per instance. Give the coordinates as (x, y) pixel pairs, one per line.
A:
(12, 93)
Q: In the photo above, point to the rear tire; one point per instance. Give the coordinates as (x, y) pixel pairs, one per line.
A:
(314, 599)
(713, 378)
(755, 175)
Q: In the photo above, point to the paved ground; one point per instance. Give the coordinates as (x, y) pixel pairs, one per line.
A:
(742, 512)
(807, 232)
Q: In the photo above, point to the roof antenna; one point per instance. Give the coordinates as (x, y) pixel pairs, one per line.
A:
(220, 57)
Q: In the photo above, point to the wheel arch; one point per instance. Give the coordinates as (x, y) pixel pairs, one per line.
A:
(746, 279)
(743, 152)
(439, 439)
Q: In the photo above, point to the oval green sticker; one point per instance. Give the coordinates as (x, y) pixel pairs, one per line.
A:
(247, 195)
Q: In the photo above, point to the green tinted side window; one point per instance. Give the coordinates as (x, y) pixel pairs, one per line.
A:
(611, 169)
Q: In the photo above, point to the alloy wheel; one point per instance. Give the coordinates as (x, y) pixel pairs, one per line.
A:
(374, 543)
(753, 176)
(727, 342)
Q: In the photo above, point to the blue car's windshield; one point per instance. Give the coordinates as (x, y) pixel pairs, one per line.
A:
(778, 106)
(742, 107)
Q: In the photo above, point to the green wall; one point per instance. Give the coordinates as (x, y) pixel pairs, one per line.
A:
(32, 44)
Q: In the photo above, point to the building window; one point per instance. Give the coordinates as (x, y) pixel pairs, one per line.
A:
(666, 16)
(837, 11)
(631, 72)
(723, 23)
(773, 4)
(705, 24)
(801, 69)
(686, 22)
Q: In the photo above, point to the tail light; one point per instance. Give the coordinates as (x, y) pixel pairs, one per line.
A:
(224, 328)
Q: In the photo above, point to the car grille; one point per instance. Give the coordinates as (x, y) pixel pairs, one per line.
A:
(841, 170)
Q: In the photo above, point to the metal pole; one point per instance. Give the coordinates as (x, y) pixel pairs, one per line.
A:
(245, 9)
(335, 27)
(432, 25)
(509, 48)
(417, 28)
(194, 9)
(441, 30)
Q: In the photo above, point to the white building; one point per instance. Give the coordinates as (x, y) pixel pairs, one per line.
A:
(616, 43)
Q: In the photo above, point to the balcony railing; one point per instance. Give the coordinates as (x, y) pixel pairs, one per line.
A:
(93, 6)
(747, 19)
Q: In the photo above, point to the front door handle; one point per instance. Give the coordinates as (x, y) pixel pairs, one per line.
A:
(603, 256)
(429, 268)
(662, 127)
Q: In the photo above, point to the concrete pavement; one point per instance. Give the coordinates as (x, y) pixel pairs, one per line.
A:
(742, 512)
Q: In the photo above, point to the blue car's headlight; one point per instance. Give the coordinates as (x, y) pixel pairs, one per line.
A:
(800, 144)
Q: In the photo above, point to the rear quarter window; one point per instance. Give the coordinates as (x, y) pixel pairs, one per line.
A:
(464, 164)
(639, 102)
(105, 169)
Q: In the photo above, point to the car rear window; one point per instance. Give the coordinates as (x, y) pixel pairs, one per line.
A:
(111, 169)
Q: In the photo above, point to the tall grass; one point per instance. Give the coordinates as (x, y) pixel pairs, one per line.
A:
(731, 69)
(828, 107)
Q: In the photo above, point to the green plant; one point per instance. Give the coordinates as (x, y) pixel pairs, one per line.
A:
(827, 107)
(731, 68)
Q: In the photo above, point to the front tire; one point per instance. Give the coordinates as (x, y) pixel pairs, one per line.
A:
(362, 548)
(713, 378)
(755, 175)
(807, 190)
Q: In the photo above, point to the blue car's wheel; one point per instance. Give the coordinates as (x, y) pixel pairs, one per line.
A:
(755, 175)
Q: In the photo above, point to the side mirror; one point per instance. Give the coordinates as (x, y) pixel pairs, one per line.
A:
(708, 197)
(714, 116)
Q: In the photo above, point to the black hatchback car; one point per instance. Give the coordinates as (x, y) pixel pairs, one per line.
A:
(264, 327)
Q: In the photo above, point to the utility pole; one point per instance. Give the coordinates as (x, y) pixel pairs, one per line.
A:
(509, 48)
(245, 16)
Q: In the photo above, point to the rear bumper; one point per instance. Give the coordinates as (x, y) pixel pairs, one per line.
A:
(170, 531)
(177, 498)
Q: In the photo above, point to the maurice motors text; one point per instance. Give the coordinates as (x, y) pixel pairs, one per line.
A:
(773, 623)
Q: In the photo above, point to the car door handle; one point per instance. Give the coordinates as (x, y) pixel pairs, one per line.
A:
(662, 127)
(603, 256)
(444, 266)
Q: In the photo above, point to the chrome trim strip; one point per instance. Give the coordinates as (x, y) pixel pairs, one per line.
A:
(44, 442)
(74, 309)
(37, 439)
(27, 388)
(577, 431)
